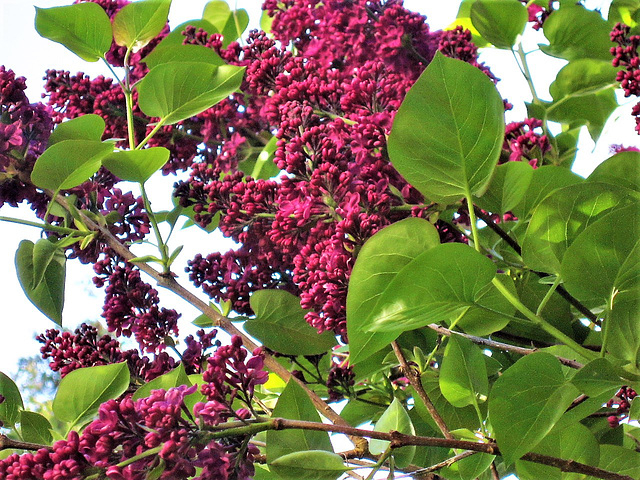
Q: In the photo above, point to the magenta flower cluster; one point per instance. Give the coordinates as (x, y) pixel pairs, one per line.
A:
(626, 56)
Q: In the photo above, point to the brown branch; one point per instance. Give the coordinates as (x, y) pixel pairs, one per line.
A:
(8, 443)
(500, 346)
(516, 247)
(494, 471)
(445, 463)
(416, 383)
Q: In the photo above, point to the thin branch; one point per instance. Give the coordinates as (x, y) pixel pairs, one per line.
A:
(8, 443)
(445, 463)
(416, 383)
(500, 346)
(494, 471)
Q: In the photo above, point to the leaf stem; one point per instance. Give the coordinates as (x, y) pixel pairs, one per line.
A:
(548, 295)
(145, 454)
(164, 253)
(146, 139)
(375, 467)
(46, 226)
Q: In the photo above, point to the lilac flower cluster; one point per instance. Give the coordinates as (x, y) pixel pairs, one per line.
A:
(523, 143)
(621, 403)
(626, 56)
(537, 13)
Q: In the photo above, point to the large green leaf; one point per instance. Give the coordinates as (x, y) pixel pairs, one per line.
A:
(526, 401)
(175, 91)
(294, 404)
(507, 188)
(448, 133)
(394, 419)
(85, 127)
(68, 163)
(182, 53)
(174, 378)
(463, 19)
(575, 32)
(10, 408)
(82, 391)
(597, 377)
(230, 23)
(463, 373)
(44, 252)
(136, 165)
(309, 465)
(137, 23)
(500, 22)
(560, 218)
(623, 169)
(280, 325)
(48, 296)
(620, 460)
(625, 11)
(35, 428)
(582, 77)
(84, 28)
(439, 285)
(379, 262)
(623, 329)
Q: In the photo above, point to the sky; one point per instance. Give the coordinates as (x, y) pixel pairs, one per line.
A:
(22, 50)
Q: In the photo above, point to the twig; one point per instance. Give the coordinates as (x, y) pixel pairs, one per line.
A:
(8, 443)
(494, 471)
(416, 383)
(445, 463)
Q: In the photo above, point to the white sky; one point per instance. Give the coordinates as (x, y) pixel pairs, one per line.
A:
(22, 50)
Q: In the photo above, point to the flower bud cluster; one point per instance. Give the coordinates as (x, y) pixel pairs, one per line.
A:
(626, 56)
(523, 143)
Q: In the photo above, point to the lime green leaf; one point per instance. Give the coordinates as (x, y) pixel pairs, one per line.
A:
(463, 373)
(84, 28)
(394, 419)
(265, 22)
(463, 19)
(174, 378)
(507, 187)
(44, 252)
(81, 392)
(380, 260)
(231, 24)
(597, 377)
(137, 23)
(309, 465)
(136, 165)
(280, 325)
(68, 163)
(500, 22)
(625, 11)
(182, 53)
(448, 133)
(86, 127)
(10, 408)
(35, 428)
(294, 404)
(583, 77)
(175, 91)
(623, 169)
(48, 296)
(526, 401)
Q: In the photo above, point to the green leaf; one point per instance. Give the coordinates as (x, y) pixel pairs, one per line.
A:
(175, 37)
(623, 169)
(574, 442)
(380, 260)
(463, 373)
(86, 127)
(620, 460)
(44, 252)
(597, 377)
(310, 464)
(174, 378)
(437, 286)
(10, 408)
(560, 218)
(182, 53)
(575, 32)
(525, 403)
(69, 163)
(136, 165)
(463, 19)
(175, 91)
(507, 187)
(82, 391)
(48, 296)
(394, 419)
(625, 11)
(294, 404)
(583, 77)
(448, 133)
(500, 22)
(231, 24)
(35, 428)
(634, 411)
(623, 339)
(280, 325)
(136, 24)
(469, 468)
(262, 165)
(84, 28)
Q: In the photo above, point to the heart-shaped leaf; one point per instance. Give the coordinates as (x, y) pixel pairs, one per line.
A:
(230, 23)
(86, 127)
(394, 419)
(137, 23)
(10, 408)
(500, 22)
(463, 373)
(182, 53)
(136, 165)
(623, 169)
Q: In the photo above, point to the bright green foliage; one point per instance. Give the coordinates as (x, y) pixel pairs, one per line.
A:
(394, 419)
(136, 24)
(35, 428)
(10, 408)
(499, 21)
(310, 464)
(87, 127)
(463, 373)
(623, 169)
(136, 165)
(182, 53)
(230, 23)
(174, 378)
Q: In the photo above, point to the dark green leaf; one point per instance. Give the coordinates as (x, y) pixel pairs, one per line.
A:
(507, 187)
(525, 403)
(174, 378)
(309, 465)
(623, 169)
(10, 408)
(623, 339)
(35, 428)
(620, 460)
(175, 91)
(380, 260)
(500, 22)
(69, 163)
(280, 325)
(81, 392)
(84, 28)
(575, 32)
(356, 412)
(182, 53)
(231, 24)
(86, 127)
(294, 404)
(137, 23)
(634, 411)
(597, 377)
(48, 296)
(394, 419)
(448, 133)
(136, 165)
(463, 373)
